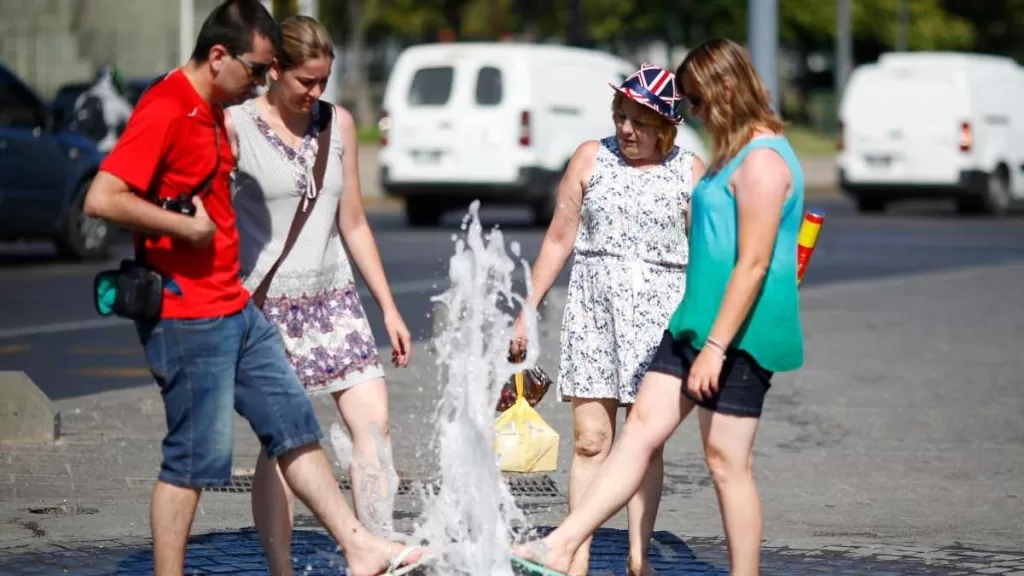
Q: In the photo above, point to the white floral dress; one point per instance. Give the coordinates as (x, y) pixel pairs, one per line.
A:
(628, 276)
(313, 298)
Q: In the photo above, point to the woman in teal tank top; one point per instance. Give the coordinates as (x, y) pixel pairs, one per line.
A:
(738, 323)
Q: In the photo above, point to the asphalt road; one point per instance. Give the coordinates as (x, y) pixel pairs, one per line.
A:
(48, 327)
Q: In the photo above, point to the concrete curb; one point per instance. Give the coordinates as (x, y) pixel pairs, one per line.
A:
(26, 413)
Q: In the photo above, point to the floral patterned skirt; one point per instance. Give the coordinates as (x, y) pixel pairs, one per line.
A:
(615, 315)
(327, 337)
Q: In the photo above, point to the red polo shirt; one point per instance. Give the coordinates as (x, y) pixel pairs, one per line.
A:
(169, 148)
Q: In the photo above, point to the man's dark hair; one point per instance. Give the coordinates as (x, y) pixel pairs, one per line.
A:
(232, 25)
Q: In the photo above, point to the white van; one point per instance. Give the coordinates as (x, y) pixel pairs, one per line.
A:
(496, 122)
(934, 125)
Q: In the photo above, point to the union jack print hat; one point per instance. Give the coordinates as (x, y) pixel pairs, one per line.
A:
(655, 88)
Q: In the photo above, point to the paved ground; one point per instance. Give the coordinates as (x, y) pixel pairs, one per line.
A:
(239, 552)
(819, 171)
(70, 351)
(898, 449)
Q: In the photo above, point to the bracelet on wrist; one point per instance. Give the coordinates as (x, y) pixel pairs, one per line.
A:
(716, 344)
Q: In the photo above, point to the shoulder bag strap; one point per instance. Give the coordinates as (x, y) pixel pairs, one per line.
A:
(259, 296)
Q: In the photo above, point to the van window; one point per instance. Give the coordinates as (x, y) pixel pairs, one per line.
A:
(431, 86)
(488, 86)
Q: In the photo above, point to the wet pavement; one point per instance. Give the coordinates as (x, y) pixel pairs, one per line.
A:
(239, 552)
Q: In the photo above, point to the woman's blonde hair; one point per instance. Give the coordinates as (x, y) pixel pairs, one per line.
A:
(666, 129)
(718, 66)
(303, 39)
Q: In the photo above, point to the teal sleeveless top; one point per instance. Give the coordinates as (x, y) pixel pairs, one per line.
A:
(771, 333)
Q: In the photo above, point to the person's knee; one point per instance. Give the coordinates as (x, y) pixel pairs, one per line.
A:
(727, 466)
(296, 454)
(592, 442)
(658, 454)
(378, 429)
(213, 462)
(364, 409)
(642, 434)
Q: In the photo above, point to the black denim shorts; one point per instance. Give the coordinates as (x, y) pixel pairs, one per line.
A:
(742, 384)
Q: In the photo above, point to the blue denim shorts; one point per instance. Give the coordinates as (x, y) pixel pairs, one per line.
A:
(210, 367)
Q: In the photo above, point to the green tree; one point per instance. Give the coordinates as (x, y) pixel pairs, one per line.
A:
(284, 8)
(351, 21)
(809, 26)
(997, 24)
(812, 23)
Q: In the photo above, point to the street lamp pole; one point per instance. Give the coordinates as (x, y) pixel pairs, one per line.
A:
(763, 42)
(309, 8)
(844, 45)
(903, 34)
(575, 23)
(186, 29)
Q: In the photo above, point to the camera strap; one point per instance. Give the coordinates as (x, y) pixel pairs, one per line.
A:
(304, 209)
(199, 190)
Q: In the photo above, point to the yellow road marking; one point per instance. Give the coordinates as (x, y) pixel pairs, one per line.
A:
(14, 349)
(115, 372)
(106, 350)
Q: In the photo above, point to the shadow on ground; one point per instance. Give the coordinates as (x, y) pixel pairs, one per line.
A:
(315, 554)
(238, 552)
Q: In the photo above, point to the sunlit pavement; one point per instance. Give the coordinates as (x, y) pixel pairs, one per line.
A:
(315, 554)
(895, 450)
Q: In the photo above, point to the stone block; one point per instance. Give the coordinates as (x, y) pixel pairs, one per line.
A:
(26, 413)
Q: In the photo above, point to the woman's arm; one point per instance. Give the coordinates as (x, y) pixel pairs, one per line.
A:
(760, 185)
(352, 222)
(698, 168)
(229, 127)
(561, 234)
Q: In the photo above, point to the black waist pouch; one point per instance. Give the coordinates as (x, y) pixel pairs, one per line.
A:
(133, 291)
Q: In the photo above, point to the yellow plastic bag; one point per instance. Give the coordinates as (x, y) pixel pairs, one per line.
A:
(522, 439)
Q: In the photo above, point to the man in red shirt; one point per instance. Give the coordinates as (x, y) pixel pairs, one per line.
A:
(212, 351)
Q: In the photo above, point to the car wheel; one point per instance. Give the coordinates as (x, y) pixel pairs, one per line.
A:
(544, 209)
(997, 194)
(82, 237)
(870, 205)
(423, 212)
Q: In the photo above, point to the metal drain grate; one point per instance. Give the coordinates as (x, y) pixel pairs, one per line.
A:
(530, 488)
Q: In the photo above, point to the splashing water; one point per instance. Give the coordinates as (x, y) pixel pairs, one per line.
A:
(377, 480)
(469, 522)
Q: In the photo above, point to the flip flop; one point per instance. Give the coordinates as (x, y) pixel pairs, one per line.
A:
(524, 566)
(397, 569)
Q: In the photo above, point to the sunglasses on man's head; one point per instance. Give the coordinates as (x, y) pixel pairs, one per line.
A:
(256, 69)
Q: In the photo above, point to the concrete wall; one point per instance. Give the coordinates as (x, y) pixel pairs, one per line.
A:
(53, 42)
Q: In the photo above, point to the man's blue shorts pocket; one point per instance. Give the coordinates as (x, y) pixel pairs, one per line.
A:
(196, 323)
(154, 346)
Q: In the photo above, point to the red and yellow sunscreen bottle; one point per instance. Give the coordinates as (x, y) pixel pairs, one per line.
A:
(807, 240)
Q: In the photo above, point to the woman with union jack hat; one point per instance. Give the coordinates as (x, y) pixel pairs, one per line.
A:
(622, 212)
(738, 325)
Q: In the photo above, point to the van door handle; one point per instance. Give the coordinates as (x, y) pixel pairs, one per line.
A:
(565, 110)
(3, 147)
(444, 125)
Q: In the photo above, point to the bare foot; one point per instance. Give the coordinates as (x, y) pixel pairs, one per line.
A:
(545, 553)
(580, 563)
(639, 568)
(371, 556)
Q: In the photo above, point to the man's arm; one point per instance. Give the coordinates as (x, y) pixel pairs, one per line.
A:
(131, 167)
(110, 198)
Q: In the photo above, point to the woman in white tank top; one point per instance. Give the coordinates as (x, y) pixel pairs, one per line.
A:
(312, 297)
